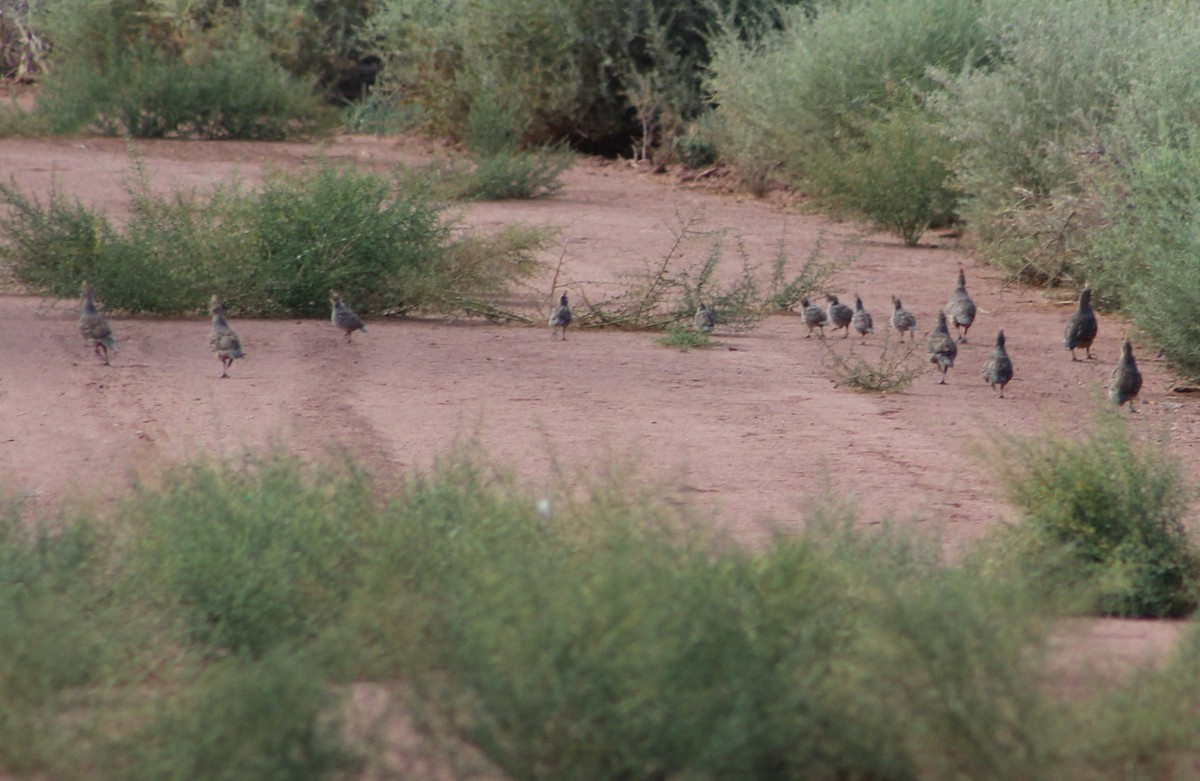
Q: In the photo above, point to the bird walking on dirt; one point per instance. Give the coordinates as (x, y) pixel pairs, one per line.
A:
(839, 314)
(960, 308)
(941, 347)
(814, 317)
(560, 317)
(705, 319)
(998, 369)
(222, 340)
(94, 327)
(1126, 379)
(903, 320)
(862, 321)
(344, 317)
(1082, 327)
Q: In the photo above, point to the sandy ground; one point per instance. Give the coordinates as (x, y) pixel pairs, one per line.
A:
(750, 431)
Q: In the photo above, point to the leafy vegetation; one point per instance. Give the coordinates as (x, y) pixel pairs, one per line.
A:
(201, 629)
(1105, 513)
(381, 240)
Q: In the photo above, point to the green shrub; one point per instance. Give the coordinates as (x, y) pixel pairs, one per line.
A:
(1105, 511)
(685, 339)
(381, 240)
(123, 68)
(897, 174)
(599, 75)
(816, 85)
(51, 641)
(267, 719)
(254, 559)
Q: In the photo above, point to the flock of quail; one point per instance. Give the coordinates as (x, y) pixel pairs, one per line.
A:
(960, 311)
(942, 348)
(223, 341)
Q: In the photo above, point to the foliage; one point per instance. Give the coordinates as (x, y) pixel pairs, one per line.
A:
(121, 68)
(816, 86)
(254, 559)
(896, 173)
(266, 719)
(1106, 511)
(601, 75)
(381, 240)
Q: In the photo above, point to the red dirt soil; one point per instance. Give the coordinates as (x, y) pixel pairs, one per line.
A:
(750, 432)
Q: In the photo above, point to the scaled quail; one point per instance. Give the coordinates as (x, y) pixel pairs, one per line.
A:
(1126, 379)
(903, 320)
(1081, 328)
(998, 369)
(223, 341)
(960, 308)
(941, 347)
(705, 319)
(560, 317)
(344, 317)
(840, 315)
(814, 316)
(862, 321)
(94, 327)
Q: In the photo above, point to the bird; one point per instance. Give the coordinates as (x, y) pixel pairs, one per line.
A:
(223, 341)
(344, 317)
(1081, 328)
(862, 321)
(94, 327)
(814, 316)
(960, 308)
(705, 319)
(942, 349)
(1126, 379)
(560, 317)
(840, 315)
(998, 369)
(903, 320)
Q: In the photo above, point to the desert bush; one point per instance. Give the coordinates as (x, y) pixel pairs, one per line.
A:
(381, 240)
(814, 87)
(896, 174)
(272, 718)
(254, 558)
(51, 640)
(1105, 511)
(604, 76)
(121, 67)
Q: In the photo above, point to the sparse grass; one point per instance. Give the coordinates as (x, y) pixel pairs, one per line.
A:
(684, 339)
(894, 367)
(1105, 513)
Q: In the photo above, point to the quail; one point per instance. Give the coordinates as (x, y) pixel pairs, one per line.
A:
(560, 317)
(1081, 328)
(344, 317)
(814, 316)
(1126, 379)
(223, 341)
(941, 347)
(903, 320)
(705, 319)
(998, 369)
(862, 321)
(839, 314)
(960, 308)
(94, 327)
